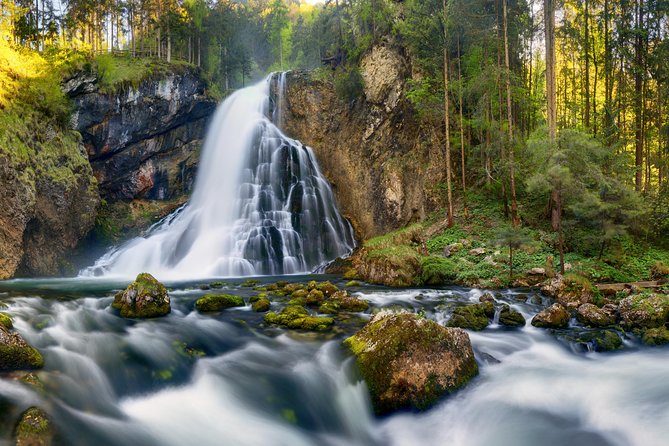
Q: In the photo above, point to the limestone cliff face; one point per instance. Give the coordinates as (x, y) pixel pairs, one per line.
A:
(382, 164)
(143, 141)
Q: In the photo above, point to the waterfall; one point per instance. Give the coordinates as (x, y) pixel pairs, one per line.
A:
(260, 205)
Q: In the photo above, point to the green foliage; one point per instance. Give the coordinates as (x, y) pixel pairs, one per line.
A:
(437, 270)
(349, 84)
(450, 236)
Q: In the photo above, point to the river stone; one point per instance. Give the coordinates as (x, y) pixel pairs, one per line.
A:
(144, 298)
(410, 362)
(592, 316)
(644, 311)
(472, 317)
(217, 302)
(297, 317)
(261, 305)
(33, 429)
(656, 336)
(510, 317)
(16, 353)
(569, 290)
(555, 316)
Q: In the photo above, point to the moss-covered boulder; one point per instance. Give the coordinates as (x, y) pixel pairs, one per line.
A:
(598, 340)
(144, 298)
(6, 321)
(570, 290)
(409, 362)
(261, 305)
(327, 288)
(342, 301)
(644, 311)
(656, 336)
(315, 298)
(472, 317)
(216, 302)
(593, 316)
(34, 429)
(16, 353)
(510, 317)
(297, 317)
(555, 316)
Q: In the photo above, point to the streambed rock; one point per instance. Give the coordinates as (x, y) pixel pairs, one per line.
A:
(297, 317)
(593, 316)
(217, 302)
(34, 429)
(409, 362)
(16, 353)
(472, 317)
(144, 298)
(510, 317)
(555, 316)
(644, 311)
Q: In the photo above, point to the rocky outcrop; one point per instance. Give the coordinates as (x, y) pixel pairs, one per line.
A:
(144, 298)
(143, 141)
(644, 311)
(411, 362)
(555, 316)
(384, 168)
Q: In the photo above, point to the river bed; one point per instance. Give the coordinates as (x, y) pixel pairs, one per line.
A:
(226, 379)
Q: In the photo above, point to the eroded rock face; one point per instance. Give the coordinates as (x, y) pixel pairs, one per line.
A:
(143, 141)
(144, 298)
(377, 145)
(410, 362)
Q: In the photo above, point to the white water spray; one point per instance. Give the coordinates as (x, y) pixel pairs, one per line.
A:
(260, 205)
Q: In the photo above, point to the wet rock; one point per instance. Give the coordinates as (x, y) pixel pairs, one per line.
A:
(261, 305)
(510, 317)
(656, 336)
(16, 353)
(297, 317)
(6, 321)
(644, 311)
(592, 316)
(472, 317)
(487, 297)
(217, 302)
(555, 316)
(327, 288)
(342, 301)
(570, 290)
(144, 298)
(315, 298)
(477, 252)
(34, 429)
(599, 341)
(489, 359)
(411, 362)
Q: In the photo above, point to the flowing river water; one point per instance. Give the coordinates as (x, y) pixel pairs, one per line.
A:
(226, 379)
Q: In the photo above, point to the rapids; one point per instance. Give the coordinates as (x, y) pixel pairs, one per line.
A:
(224, 379)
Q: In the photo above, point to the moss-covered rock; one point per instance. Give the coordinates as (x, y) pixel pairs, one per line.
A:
(599, 340)
(216, 285)
(297, 317)
(6, 321)
(570, 290)
(510, 317)
(34, 429)
(342, 301)
(555, 316)
(411, 362)
(217, 302)
(593, 316)
(261, 305)
(315, 298)
(16, 353)
(327, 288)
(644, 311)
(144, 298)
(472, 317)
(656, 336)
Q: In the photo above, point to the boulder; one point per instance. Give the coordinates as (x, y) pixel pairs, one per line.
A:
(569, 290)
(472, 317)
(6, 321)
(537, 272)
(644, 311)
(555, 316)
(593, 316)
(410, 362)
(510, 317)
(477, 252)
(261, 305)
(34, 429)
(16, 353)
(144, 298)
(297, 317)
(598, 340)
(656, 336)
(342, 301)
(217, 302)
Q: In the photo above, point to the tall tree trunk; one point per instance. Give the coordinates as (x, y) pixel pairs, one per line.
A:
(447, 129)
(638, 97)
(587, 64)
(462, 139)
(608, 88)
(509, 115)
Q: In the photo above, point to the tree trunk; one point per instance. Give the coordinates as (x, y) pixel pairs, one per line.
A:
(462, 140)
(587, 64)
(638, 98)
(447, 131)
(551, 108)
(509, 115)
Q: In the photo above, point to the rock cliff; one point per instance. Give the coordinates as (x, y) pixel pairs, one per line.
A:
(143, 141)
(383, 165)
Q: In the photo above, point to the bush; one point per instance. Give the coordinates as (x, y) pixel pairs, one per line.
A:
(349, 84)
(438, 270)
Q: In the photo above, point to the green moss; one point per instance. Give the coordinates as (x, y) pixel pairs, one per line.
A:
(143, 298)
(352, 283)
(6, 321)
(217, 285)
(261, 305)
(33, 428)
(511, 317)
(341, 301)
(656, 336)
(250, 283)
(438, 270)
(20, 357)
(471, 317)
(298, 317)
(289, 416)
(315, 298)
(217, 302)
(115, 72)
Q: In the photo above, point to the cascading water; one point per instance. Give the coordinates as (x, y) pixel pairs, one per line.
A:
(260, 205)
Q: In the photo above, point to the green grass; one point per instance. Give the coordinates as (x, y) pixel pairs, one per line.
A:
(116, 71)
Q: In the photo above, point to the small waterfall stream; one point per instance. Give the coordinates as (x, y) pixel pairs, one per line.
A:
(260, 206)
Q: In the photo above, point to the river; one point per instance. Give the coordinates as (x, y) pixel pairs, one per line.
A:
(226, 379)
